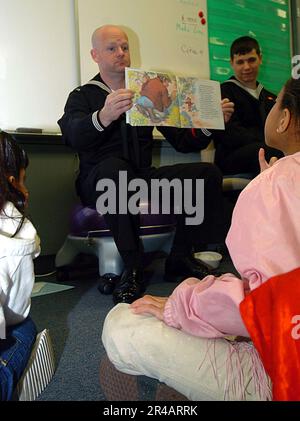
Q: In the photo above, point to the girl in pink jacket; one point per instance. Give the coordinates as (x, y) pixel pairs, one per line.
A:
(263, 241)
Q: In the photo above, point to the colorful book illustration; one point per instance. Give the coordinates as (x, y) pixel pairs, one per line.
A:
(163, 99)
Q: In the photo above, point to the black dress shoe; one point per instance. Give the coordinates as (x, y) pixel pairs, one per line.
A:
(180, 268)
(130, 287)
(108, 283)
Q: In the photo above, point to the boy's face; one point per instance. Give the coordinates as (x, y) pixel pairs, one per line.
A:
(246, 66)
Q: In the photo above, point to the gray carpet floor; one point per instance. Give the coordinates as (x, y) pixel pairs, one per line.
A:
(75, 318)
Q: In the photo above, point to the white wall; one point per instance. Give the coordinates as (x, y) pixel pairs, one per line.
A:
(39, 46)
(38, 64)
(165, 35)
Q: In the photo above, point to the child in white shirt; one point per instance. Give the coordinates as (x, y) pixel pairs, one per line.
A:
(19, 245)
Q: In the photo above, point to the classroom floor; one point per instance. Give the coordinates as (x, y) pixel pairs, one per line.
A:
(75, 318)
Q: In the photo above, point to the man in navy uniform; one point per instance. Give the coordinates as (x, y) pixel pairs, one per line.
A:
(94, 125)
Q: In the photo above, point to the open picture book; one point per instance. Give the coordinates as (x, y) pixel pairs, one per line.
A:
(163, 99)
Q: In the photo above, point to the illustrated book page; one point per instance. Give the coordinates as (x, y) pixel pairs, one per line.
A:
(162, 99)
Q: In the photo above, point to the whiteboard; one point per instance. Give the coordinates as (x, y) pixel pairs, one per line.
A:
(38, 62)
(164, 35)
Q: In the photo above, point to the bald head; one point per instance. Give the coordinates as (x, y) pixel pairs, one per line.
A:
(110, 50)
(104, 32)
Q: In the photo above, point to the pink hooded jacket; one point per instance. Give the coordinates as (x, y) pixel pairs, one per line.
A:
(263, 241)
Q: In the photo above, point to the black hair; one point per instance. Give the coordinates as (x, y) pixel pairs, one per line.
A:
(244, 45)
(291, 98)
(12, 160)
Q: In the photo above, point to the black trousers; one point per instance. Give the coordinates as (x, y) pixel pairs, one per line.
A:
(125, 228)
(244, 159)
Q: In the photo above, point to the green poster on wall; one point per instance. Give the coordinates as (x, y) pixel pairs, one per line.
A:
(266, 20)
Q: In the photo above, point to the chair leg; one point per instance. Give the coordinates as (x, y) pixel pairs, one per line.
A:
(110, 260)
(158, 242)
(66, 254)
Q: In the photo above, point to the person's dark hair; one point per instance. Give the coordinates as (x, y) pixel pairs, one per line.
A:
(244, 45)
(12, 159)
(291, 98)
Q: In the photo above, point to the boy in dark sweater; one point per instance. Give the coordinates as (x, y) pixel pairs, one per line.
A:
(237, 148)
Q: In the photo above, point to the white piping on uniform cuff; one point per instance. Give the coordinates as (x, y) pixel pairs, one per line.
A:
(206, 132)
(96, 123)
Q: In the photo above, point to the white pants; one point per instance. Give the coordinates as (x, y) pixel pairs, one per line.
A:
(200, 369)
